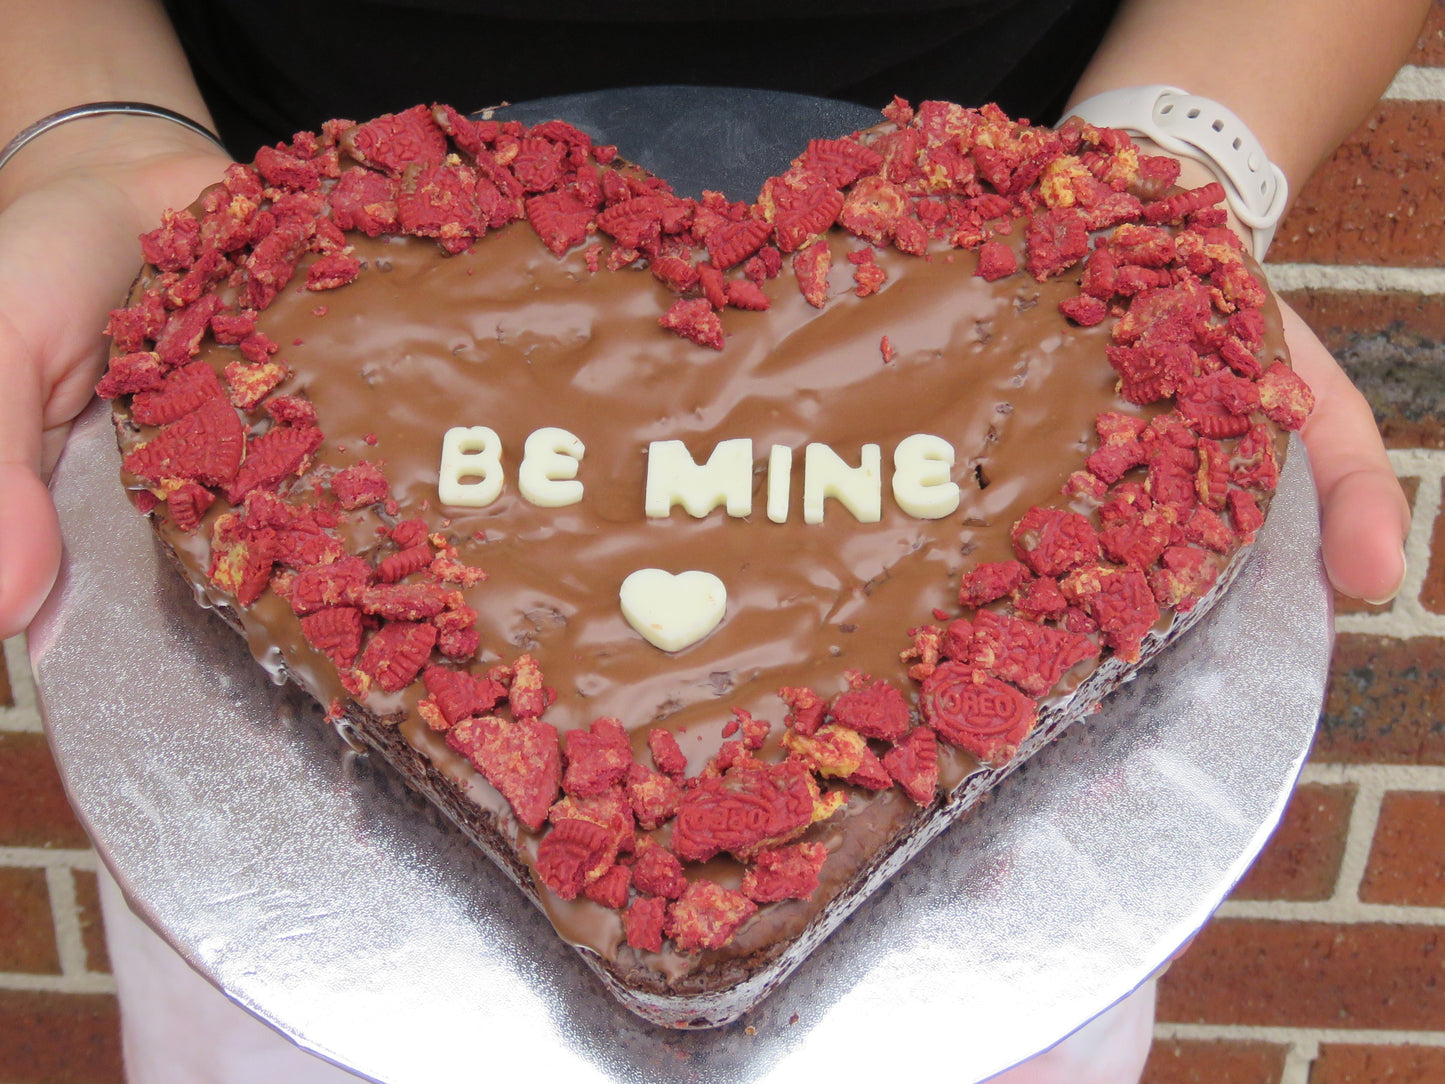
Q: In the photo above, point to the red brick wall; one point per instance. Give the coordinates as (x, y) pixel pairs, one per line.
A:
(57, 1003)
(1325, 967)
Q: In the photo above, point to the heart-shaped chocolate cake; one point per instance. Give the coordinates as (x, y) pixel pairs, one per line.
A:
(703, 559)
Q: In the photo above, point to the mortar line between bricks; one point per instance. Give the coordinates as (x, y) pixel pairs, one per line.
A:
(1304, 1037)
(1408, 616)
(1338, 913)
(65, 915)
(1359, 839)
(1388, 776)
(1356, 278)
(49, 858)
(91, 982)
(1415, 83)
(24, 716)
(1298, 1060)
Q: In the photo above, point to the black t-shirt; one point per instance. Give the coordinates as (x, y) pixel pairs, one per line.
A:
(269, 68)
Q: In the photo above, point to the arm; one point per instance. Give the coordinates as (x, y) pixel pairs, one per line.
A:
(1302, 74)
(71, 206)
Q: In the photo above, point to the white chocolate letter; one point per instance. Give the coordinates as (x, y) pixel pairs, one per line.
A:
(673, 478)
(549, 462)
(860, 488)
(780, 482)
(921, 485)
(474, 452)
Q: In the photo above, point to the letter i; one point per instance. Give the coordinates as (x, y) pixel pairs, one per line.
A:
(780, 482)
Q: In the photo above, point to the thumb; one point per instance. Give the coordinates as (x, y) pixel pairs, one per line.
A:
(1363, 513)
(29, 529)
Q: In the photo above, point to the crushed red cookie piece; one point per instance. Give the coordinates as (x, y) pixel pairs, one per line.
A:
(332, 270)
(527, 695)
(1039, 600)
(643, 923)
(405, 601)
(409, 533)
(597, 757)
(249, 384)
(187, 505)
(695, 320)
(1051, 540)
(913, 764)
(733, 242)
(1138, 540)
(1185, 576)
(396, 653)
(205, 446)
(867, 275)
(1118, 600)
(180, 392)
(130, 373)
(396, 140)
(800, 205)
(743, 294)
(398, 566)
(454, 694)
(924, 652)
(1253, 464)
(610, 810)
(1055, 240)
(654, 796)
(1244, 513)
(989, 581)
(277, 454)
(291, 410)
(806, 708)
(666, 753)
(656, 870)
(875, 710)
(1284, 396)
(810, 266)
(611, 889)
(996, 261)
(785, 873)
(707, 916)
(832, 750)
(335, 632)
(574, 854)
(1084, 310)
(1030, 656)
(752, 806)
(987, 718)
(522, 759)
(337, 583)
(241, 559)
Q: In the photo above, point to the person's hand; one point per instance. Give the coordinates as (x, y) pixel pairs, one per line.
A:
(68, 251)
(1364, 516)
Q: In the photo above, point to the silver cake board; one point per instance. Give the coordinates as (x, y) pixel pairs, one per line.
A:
(313, 889)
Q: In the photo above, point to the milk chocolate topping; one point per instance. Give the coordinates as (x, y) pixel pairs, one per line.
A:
(507, 335)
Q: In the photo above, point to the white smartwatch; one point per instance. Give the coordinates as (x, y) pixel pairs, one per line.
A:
(1189, 126)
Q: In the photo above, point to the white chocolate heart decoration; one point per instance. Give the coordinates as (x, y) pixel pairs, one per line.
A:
(673, 612)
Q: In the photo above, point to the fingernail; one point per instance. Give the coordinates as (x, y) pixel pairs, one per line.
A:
(1404, 570)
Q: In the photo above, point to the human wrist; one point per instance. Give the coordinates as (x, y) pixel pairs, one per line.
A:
(126, 149)
(1201, 132)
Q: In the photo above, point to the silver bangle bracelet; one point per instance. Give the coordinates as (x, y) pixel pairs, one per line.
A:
(102, 109)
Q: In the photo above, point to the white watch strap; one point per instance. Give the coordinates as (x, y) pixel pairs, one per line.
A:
(1189, 126)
